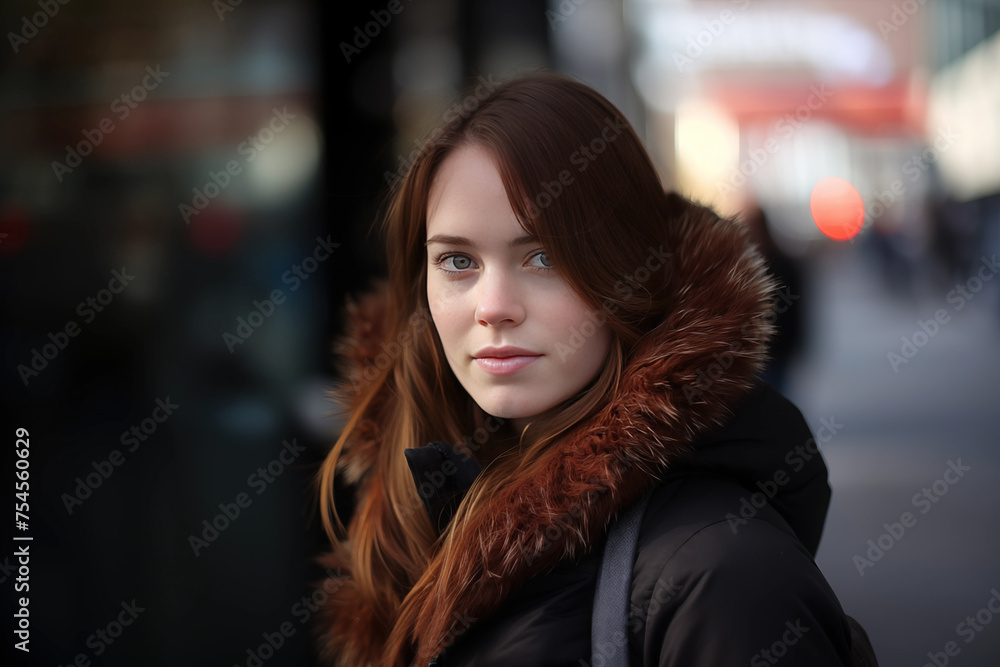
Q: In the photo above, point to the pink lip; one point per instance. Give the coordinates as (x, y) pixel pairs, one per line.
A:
(505, 365)
(504, 352)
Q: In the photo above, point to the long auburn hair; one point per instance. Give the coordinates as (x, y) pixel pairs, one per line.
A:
(544, 130)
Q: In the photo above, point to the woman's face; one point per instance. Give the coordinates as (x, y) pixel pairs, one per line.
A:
(488, 285)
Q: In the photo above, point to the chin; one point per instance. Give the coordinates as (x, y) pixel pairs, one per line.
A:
(508, 409)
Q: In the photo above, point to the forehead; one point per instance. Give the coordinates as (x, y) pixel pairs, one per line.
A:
(467, 197)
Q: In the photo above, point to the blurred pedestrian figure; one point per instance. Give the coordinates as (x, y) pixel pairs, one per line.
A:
(788, 321)
(960, 232)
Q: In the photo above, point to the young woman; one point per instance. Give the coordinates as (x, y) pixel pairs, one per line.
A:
(557, 338)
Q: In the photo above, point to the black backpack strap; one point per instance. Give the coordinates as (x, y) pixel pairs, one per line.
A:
(608, 635)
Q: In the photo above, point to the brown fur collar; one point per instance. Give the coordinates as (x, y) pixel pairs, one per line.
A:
(681, 381)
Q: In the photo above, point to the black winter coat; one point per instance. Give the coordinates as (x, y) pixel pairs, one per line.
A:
(724, 573)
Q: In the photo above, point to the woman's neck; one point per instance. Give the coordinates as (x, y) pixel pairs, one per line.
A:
(500, 443)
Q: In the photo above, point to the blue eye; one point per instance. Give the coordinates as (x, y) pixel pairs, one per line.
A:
(459, 261)
(547, 265)
(462, 262)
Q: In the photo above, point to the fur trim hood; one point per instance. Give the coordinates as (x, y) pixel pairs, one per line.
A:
(681, 380)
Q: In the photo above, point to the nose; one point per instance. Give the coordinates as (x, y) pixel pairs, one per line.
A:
(499, 300)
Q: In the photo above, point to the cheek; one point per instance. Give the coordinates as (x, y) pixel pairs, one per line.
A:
(440, 323)
(441, 299)
(435, 305)
(580, 329)
(598, 340)
(581, 319)
(445, 319)
(604, 338)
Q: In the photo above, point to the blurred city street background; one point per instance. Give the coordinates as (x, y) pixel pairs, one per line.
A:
(187, 191)
(899, 433)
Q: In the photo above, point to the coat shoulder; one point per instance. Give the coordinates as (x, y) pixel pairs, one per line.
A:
(713, 587)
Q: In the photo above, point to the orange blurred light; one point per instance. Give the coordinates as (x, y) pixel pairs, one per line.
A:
(837, 208)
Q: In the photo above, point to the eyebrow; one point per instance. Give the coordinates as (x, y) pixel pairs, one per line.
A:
(448, 239)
